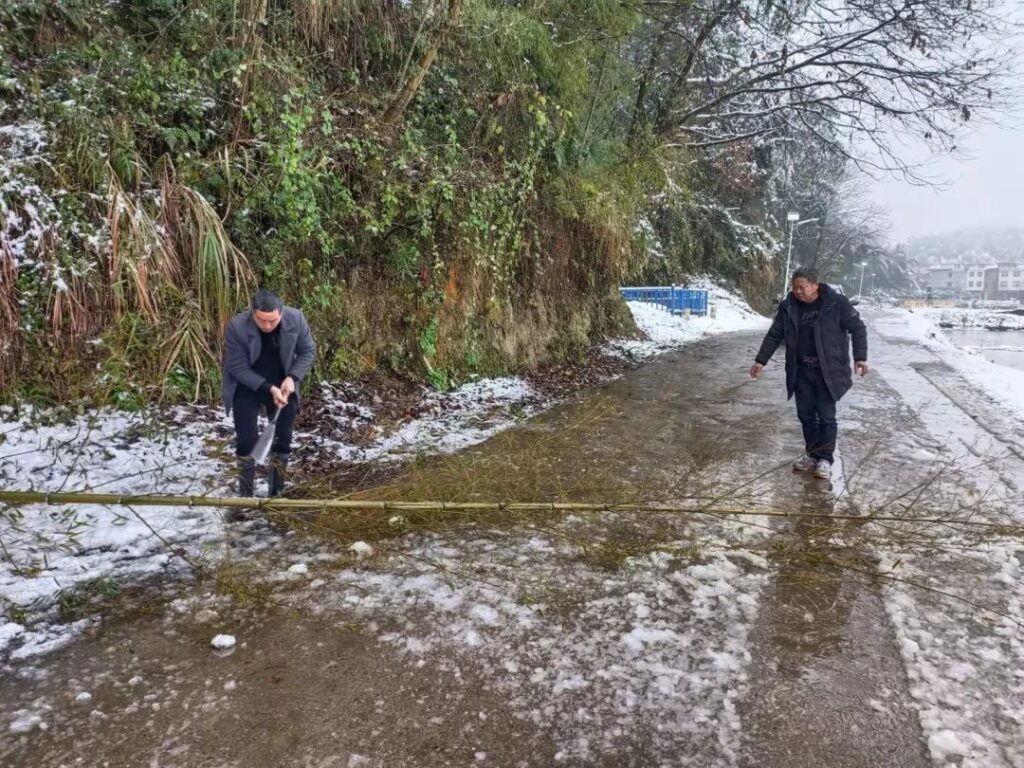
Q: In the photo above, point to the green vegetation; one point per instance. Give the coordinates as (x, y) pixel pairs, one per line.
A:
(446, 187)
(84, 599)
(461, 239)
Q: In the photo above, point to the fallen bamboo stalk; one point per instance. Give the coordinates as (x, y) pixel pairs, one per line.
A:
(279, 504)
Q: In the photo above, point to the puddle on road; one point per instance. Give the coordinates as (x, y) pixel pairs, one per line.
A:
(830, 687)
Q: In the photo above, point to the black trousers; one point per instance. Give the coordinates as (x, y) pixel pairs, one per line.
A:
(817, 413)
(246, 407)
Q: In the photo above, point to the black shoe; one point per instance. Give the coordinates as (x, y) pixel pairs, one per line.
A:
(276, 475)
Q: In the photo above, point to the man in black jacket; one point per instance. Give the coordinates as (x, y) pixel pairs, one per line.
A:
(816, 322)
(268, 351)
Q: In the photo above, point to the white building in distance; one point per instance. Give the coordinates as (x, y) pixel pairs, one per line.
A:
(945, 278)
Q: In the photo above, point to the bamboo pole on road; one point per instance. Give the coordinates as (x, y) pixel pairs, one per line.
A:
(280, 504)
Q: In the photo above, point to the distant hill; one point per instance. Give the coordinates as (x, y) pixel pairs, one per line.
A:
(971, 246)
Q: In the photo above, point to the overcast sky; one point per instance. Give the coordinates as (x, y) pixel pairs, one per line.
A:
(984, 189)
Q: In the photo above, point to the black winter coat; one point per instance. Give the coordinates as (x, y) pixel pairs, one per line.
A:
(837, 321)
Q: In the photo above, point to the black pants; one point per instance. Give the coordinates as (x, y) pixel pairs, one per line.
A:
(817, 413)
(246, 407)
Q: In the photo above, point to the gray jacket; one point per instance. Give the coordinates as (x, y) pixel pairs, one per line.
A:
(242, 349)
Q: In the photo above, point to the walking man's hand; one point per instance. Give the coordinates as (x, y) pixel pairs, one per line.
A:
(861, 367)
(280, 399)
(755, 370)
(288, 387)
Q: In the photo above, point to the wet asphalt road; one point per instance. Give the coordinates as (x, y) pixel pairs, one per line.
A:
(826, 685)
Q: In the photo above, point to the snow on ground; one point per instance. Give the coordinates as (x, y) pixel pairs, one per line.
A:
(998, 381)
(727, 312)
(964, 663)
(960, 637)
(973, 318)
(655, 649)
(453, 421)
(51, 550)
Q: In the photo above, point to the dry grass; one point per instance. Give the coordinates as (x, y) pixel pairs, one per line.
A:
(73, 315)
(760, 286)
(213, 281)
(339, 25)
(10, 315)
(179, 271)
(189, 348)
(139, 262)
(214, 271)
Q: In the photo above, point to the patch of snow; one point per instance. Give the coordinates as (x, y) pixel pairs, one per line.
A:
(963, 664)
(8, 631)
(361, 549)
(222, 642)
(485, 614)
(57, 548)
(972, 318)
(43, 638)
(452, 420)
(26, 720)
(944, 744)
(728, 312)
(582, 646)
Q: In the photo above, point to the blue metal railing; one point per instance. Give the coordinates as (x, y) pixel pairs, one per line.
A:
(675, 300)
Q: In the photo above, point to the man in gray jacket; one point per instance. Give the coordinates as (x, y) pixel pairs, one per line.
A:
(268, 351)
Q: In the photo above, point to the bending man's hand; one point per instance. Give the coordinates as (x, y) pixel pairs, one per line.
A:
(288, 387)
(755, 370)
(280, 398)
(861, 367)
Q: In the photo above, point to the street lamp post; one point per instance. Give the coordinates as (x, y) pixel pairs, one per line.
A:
(860, 290)
(871, 287)
(793, 217)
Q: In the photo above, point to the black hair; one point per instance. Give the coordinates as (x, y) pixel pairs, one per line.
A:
(267, 301)
(810, 274)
